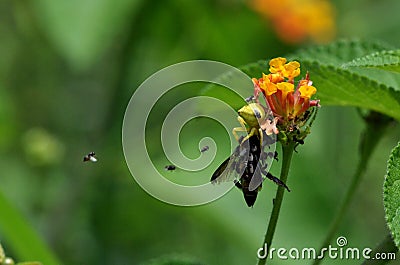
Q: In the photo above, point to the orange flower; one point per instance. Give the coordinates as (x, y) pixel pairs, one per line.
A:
(286, 102)
(296, 20)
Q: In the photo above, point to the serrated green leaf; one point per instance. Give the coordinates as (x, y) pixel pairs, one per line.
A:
(337, 85)
(344, 88)
(385, 60)
(340, 52)
(391, 194)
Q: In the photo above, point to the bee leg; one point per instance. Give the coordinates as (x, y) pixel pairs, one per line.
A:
(260, 131)
(250, 134)
(277, 181)
(238, 185)
(242, 128)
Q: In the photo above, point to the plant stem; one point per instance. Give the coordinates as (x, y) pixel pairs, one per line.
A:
(376, 125)
(287, 151)
(386, 246)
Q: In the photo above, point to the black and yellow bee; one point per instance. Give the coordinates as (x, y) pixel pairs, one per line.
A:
(248, 164)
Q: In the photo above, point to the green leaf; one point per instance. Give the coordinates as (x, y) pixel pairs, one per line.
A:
(385, 60)
(340, 52)
(341, 85)
(344, 88)
(22, 237)
(391, 194)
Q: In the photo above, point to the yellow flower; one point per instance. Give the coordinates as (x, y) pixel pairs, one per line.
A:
(286, 101)
(285, 87)
(292, 70)
(267, 86)
(277, 65)
(307, 91)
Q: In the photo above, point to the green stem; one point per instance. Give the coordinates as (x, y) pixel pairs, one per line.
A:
(376, 125)
(287, 151)
(386, 246)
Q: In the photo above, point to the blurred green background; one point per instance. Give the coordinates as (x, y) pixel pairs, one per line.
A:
(67, 72)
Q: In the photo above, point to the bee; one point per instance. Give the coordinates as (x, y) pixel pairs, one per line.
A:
(170, 167)
(247, 166)
(204, 149)
(90, 157)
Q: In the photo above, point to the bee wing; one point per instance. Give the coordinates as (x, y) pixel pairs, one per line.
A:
(257, 179)
(220, 170)
(233, 167)
(265, 159)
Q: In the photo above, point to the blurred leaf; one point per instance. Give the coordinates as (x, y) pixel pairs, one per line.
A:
(2, 254)
(339, 86)
(7, 119)
(173, 260)
(391, 194)
(81, 30)
(23, 239)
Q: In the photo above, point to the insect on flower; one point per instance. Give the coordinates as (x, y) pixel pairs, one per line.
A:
(90, 157)
(170, 167)
(248, 164)
(249, 99)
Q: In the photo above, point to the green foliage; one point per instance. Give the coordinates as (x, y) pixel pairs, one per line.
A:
(385, 60)
(391, 194)
(176, 259)
(2, 254)
(81, 37)
(26, 243)
(70, 67)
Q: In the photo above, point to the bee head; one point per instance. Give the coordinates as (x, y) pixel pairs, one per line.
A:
(251, 113)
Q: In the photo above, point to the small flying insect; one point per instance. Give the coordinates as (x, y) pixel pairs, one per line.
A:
(247, 166)
(170, 167)
(204, 149)
(257, 114)
(90, 157)
(250, 99)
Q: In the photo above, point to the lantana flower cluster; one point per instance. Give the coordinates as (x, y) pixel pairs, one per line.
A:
(287, 101)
